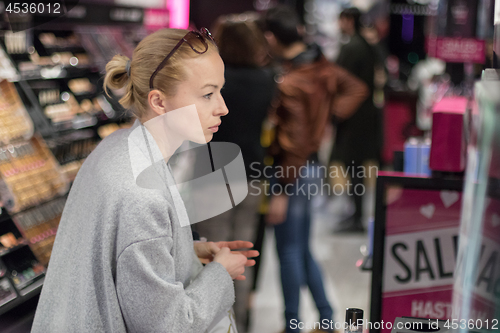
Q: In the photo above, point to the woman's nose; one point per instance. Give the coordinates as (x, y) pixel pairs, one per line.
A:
(222, 110)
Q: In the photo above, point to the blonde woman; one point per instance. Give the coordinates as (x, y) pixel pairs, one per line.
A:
(124, 259)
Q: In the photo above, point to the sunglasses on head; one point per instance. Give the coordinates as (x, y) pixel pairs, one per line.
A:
(201, 35)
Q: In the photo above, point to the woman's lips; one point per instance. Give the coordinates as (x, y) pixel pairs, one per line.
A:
(214, 128)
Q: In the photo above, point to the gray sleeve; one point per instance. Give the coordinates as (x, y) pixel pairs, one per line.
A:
(152, 300)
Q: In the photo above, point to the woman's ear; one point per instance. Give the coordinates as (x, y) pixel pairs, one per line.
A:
(157, 102)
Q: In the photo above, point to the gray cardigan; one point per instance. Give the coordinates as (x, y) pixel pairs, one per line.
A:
(121, 260)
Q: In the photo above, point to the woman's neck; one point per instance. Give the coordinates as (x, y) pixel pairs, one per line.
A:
(166, 141)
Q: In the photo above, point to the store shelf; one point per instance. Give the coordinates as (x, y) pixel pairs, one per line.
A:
(41, 203)
(7, 300)
(72, 49)
(23, 298)
(31, 285)
(66, 73)
(7, 292)
(12, 249)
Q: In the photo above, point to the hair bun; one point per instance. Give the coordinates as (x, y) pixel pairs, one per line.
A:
(117, 77)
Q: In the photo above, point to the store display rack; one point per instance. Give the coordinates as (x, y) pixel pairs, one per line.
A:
(30, 181)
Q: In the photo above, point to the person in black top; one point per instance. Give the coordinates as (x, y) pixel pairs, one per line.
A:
(358, 139)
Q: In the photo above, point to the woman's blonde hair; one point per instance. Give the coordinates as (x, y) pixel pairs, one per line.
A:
(145, 59)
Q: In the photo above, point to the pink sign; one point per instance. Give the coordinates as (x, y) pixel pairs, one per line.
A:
(180, 13)
(421, 244)
(156, 18)
(453, 49)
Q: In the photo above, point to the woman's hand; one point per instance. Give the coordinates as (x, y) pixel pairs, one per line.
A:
(225, 254)
(278, 207)
(233, 262)
(205, 251)
(240, 245)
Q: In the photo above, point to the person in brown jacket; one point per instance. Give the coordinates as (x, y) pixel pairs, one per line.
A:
(311, 91)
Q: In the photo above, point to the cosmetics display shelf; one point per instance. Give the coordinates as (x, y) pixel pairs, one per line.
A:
(59, 76)
(54, 77)
(74, 103)
(33, 188)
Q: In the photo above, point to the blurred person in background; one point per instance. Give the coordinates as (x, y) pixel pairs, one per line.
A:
(358, 139)
(310, 91)
(248, 92)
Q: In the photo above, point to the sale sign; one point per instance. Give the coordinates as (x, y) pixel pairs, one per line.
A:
(421, 245)
(454, 49)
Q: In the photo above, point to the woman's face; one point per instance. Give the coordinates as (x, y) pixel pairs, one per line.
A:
(202, 87)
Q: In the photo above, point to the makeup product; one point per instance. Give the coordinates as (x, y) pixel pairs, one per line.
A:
(50, 40)
(106, 130)
(30, 173)
(8, 240)
(15, 42)
(412, 156)
(39, 226)
(7, 69)
(81, 86)
(353, 320)
(83, 59)
(48, 97)
(15, 122)
(62, 58)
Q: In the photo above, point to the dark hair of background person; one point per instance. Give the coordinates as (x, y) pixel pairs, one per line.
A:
(283, 21)
(240, 41)
(354, 14)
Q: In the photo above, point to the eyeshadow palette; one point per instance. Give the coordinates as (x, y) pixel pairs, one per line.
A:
(30, 174)
(15, 123)
(7, 69)
(39, 226)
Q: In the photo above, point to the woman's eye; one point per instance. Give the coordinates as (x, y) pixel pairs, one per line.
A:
(207, 96)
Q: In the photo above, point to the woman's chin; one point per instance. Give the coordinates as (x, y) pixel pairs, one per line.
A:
(203, 140)
(208, 137)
